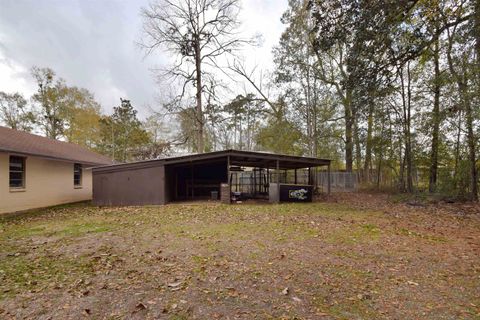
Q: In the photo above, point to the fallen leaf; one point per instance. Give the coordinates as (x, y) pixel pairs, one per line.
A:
(140, 306)
(175, 284)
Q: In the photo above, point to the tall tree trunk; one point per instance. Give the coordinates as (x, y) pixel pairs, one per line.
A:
(309, 116)
(348, 132)
(315, 120)
(471, 151)
(368, 147)
(409, 132)
(470, 128)
(240, 134)
(477, 38)
(356, 138)
(457, 144)
(379, 154)
(401, 174)
(199, 110)
(432, 186)
(406, 103)
(379, 170)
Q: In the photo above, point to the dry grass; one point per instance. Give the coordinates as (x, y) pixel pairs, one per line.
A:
(353, 257)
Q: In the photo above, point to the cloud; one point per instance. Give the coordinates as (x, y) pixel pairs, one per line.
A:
(13, 77)
(91, 44)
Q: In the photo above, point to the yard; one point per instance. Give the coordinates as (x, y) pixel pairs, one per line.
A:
(355, 256)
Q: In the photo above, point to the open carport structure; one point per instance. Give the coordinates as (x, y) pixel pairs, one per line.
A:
(230, 175)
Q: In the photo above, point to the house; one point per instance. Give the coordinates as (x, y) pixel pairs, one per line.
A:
(230, 175)
(38, 172)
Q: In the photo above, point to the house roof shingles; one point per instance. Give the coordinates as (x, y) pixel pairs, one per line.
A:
(20, 142)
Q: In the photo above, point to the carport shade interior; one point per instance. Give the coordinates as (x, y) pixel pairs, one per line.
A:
(196, 176)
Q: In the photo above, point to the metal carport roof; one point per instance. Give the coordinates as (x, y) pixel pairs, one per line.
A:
(236, 157)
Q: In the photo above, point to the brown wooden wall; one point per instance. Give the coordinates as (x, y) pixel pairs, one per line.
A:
(140, 186)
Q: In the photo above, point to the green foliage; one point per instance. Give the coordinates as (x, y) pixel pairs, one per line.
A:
(279, 136)
(82, 118)
(122, 133)
(403, 72)
(188, 128)
(14, 112)
(297, 72)
(241, 122)
(66, 112)
(51, 101)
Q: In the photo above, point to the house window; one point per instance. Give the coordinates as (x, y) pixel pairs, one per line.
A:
(77, 174)
(17, 172)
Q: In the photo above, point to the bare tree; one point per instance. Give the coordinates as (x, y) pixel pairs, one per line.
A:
(238, 67)
(197, 32)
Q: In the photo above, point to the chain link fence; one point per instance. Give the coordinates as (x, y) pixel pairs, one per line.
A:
(248, 182)
(339, 181)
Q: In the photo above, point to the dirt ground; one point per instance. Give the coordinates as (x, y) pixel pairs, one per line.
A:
(351, 256)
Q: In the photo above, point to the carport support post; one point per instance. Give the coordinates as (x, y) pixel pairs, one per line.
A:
(267, 188)
(228, 180)
(295, 175)
(278, 180)
(328, 179)
(193, 181)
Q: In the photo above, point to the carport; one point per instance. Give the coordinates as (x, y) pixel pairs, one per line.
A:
(229, 175)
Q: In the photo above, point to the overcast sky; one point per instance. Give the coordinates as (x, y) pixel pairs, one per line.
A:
(91, 44)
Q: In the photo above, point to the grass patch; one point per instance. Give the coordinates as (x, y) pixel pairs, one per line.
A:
(67, 228)
(352, 310)
(359, 234)
(79, 229)
(20, 273)
(68, 208)
(355, 301)
(351, 273)
(241, 230)
(328, 210)
(201, 263)
(411, 233)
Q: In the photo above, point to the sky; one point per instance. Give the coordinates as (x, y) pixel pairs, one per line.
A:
(92, 44)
